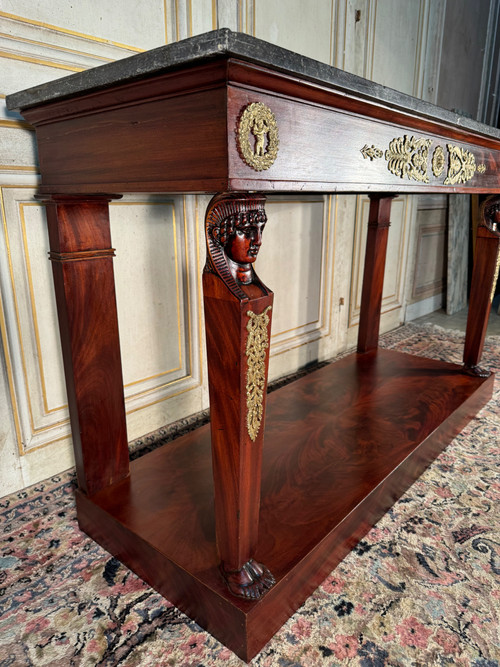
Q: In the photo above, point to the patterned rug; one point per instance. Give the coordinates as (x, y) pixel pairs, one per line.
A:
(422, 588)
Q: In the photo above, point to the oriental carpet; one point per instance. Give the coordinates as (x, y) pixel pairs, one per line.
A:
(422, 588)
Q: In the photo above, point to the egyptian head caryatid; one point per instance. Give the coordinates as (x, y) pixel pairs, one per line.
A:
(490, 214)
(234, 226)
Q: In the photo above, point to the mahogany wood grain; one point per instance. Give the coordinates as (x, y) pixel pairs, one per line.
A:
(257, 78)
(321, 146)
(373, 276)
(341, 445)
(82, 265)
(185, 123)
(198, 78)
(237, 460)
(182, 138)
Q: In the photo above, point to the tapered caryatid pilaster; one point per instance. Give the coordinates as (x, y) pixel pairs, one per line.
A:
(82, 264)
(238, 311)
(484, 279)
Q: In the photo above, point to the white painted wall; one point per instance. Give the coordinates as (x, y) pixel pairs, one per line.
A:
(159, 240)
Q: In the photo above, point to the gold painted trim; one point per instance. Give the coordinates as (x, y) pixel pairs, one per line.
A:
(38, 61)
(190, 18)
(165, 398)
(34, 317)
(330, 197)
(188, 286)
(55, 47)
(214, 14)
(177, 288)
(333, 34)
(481, 168)
(39, 429)
(200, 327)
(370, 36)
(5, 345)
(255, 351)
(200, 288)
(17, 124)
(355, 292)
(141, 380)
(417, 63)
(16, 167)
(306, 324)
(18, 323)
(177, 27)
(200, 331)
(334, 242)
(321, 309)
(67, 437)
(165, 20)
(179, 367)
(22, 451)
(296, 347)
(65, 31)
(355, 275)
(327, 309)
(389, 310)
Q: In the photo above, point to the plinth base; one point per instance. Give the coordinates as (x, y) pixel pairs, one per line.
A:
(341, 445)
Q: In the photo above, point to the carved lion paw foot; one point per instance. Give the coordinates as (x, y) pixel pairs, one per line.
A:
(251, 582)
(477, 371)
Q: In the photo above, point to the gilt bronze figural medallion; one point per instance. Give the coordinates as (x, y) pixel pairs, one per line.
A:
(258, 139)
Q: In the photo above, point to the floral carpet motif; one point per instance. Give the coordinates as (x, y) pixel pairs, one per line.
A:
(422, 588)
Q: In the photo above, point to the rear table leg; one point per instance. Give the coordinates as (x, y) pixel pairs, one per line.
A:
(484, 278)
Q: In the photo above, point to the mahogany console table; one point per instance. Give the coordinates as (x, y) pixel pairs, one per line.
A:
(232, 115)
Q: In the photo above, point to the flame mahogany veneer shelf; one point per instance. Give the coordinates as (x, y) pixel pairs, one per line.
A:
(342, 443)
(328, 476)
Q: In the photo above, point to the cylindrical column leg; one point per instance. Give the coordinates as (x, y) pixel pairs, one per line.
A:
(82, 263)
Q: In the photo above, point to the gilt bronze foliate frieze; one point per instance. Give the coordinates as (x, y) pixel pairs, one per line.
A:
(408, 157)
(256, 354)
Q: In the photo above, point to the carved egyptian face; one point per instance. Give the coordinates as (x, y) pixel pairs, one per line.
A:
(243, 244)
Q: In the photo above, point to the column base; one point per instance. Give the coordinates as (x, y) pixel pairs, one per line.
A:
(250, 582)
(477, 371)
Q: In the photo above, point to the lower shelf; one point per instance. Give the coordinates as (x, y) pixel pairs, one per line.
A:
(341, 445)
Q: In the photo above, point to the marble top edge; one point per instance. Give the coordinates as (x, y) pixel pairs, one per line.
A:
(225, 43)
